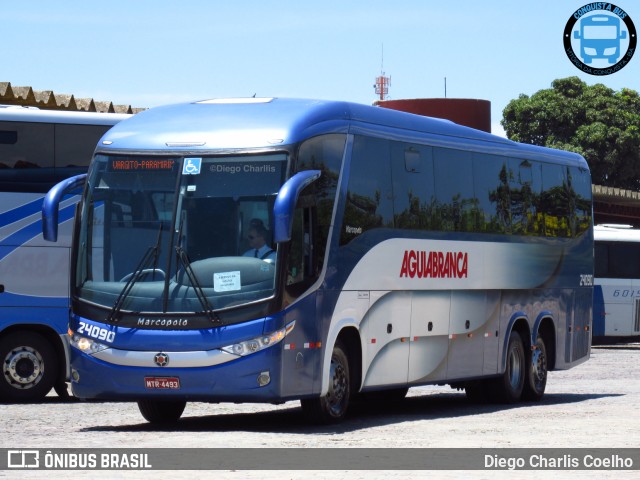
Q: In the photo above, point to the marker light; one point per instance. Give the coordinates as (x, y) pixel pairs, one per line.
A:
(259, 343)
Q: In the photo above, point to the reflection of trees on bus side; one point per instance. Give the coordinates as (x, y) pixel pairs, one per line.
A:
(560, 211)
(361, 213)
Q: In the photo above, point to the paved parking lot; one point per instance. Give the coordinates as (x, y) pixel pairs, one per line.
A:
(592, 405)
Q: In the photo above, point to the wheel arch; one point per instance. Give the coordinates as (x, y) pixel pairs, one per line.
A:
(519, 323)
(545, 327)
(349, 335)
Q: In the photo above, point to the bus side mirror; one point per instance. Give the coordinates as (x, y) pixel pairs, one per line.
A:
(285, 203)
(51, 205)
(623, 35)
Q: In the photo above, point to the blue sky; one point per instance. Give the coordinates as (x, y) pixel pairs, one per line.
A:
(152, 52)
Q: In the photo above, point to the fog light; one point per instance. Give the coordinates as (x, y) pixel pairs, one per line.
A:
(75, 375)
(264, 378)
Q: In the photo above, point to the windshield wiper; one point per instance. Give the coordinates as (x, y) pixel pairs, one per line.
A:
(188, 270)
(152, 253)
(202, 297)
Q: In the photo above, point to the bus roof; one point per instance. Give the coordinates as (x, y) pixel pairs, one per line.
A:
(15, 113)
(247, 123)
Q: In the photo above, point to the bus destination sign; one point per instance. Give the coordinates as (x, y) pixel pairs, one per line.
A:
(141, 164)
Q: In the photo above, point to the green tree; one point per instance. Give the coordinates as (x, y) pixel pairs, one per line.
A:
(595, 121)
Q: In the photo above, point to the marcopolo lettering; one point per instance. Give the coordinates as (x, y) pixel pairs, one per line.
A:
(162, 322)
(423, 264)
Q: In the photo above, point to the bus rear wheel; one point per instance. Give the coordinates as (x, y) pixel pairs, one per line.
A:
(536, 377)
(161, 411)
(332, 408)
(508, 387)
(29, 367)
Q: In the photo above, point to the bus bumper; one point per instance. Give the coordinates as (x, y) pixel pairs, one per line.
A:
(252, 378)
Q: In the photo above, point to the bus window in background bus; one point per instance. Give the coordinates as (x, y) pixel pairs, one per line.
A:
(409, 251)
(38, 148)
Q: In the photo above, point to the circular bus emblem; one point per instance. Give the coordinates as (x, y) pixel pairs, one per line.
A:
(600, 38)
(161, 359)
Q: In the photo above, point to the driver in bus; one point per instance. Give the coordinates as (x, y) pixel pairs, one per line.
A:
(257, 241)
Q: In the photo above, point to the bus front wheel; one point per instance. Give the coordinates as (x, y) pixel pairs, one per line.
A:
(332, 408)
(161, 412)
(29, 367)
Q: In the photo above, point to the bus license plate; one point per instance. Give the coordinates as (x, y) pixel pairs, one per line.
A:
(167, 383)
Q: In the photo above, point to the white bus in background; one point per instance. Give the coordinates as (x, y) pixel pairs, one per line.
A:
(38, 148)
(616, 296)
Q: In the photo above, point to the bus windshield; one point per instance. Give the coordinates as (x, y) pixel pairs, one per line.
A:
(172, 235)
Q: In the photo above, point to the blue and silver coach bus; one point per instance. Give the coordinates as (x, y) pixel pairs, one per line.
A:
(408, 251)
(38, 148)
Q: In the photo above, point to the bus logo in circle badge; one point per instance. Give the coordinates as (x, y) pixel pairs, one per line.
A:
(600, 38)
(161, 359)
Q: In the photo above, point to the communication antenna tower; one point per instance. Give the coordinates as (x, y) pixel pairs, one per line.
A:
(382, 81)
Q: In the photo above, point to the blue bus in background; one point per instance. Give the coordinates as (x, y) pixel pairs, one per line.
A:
(600, 37)
(616, 297)
(408, 251)
(38, 148)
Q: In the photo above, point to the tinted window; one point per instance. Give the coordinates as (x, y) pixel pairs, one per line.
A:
(525, 184)
(580, 205)
(32, 146)
(35, 156)
(554, 201)
(455, 202)
(75, 144)
(8, 137)
(323, 153)
(368, 203)
(27, 157)
(601, 264)
(617, 260)
(491, 185)
(414, 196)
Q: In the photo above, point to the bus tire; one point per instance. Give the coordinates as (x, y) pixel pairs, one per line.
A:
(161, 411)
(332, 408)
(536, 376)
(29, 367)
(508, 387)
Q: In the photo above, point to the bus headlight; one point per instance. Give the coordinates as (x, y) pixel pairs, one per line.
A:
(85, 344)
(259, 343)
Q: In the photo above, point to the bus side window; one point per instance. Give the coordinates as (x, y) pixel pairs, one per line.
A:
(455, 202)
(27, 157)
(413, 190)
(369, 199)
(554, 201)
(302, 264)
(601, 264)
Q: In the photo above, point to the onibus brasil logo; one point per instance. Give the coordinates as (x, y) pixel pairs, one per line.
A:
(600, 38)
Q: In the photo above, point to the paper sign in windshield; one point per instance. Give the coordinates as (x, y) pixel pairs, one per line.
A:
(226, 282)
